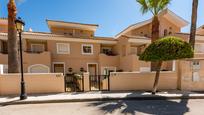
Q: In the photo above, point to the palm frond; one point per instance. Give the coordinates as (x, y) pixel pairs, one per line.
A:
(154, 6)
(162, 4)
(144, 6)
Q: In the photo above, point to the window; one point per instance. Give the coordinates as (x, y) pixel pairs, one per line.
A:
(87, 49)
(37, 47)
(63, 48)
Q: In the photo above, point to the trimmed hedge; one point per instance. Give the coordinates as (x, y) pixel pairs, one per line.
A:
(168, 48)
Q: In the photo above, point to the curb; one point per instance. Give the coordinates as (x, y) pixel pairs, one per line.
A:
(139, 98)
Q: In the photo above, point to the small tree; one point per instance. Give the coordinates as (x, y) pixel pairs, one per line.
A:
(165, 49)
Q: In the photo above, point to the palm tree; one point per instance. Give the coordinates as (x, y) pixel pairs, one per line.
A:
(193, 23)
(13, 64)
(155, 7)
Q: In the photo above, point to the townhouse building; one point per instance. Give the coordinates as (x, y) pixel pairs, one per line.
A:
(74, 47)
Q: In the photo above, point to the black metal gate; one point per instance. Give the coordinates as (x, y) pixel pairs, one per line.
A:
(99, 82)
(74, 83)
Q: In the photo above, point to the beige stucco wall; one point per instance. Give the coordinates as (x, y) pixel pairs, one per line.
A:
(142, 31)
(108, 61)
(35, 83)
(3, 58)
(165, 24)
(186, 74)
(30, 59)
(75, 59)
(4, 28)
(132, 63)
(142, 81)
(200, 32)
(146, 29)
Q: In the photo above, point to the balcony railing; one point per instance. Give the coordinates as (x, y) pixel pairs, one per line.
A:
(109, 53)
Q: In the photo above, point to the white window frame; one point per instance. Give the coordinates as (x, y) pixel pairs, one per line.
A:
(68, 46)
(83, 53)
(29, 68)
(32, 44)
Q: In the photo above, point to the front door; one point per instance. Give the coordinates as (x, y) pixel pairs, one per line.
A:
(92, 69)
(94, 80)
(58, 68)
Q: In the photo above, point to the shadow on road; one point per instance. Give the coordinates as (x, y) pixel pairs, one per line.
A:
(156, 107)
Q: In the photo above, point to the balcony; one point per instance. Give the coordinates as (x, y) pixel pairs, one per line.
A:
(37, 57)
(109, 60)
(131, 63)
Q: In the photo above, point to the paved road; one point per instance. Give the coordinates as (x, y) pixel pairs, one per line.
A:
(162, 107)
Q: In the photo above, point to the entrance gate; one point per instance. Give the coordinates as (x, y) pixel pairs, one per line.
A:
(74, 83)
(99, 82)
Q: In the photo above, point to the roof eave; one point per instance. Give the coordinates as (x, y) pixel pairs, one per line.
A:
(91, 27)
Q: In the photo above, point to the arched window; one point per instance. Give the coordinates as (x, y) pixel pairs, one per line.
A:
(38, 68)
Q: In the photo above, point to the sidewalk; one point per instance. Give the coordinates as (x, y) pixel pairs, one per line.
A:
(100, 96)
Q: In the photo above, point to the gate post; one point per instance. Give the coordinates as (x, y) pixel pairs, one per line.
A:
(109, 82)
(86, 81)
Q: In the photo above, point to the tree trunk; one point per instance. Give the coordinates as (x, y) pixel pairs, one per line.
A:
(193, 23)
(155, 36)
(13, 64)
(156, 81)
(155, 28)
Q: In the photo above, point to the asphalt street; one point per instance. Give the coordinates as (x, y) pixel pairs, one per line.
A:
(131, 107)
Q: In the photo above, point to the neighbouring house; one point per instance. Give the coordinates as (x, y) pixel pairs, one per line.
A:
(74, 46)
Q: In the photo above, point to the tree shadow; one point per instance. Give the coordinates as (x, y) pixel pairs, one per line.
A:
(133, 107)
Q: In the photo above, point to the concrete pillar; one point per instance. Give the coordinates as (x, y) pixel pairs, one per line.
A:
(86, 82)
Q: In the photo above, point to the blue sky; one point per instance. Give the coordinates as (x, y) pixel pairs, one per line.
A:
(111, 15)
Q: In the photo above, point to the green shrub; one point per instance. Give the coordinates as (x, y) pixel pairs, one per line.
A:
(168, 48)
